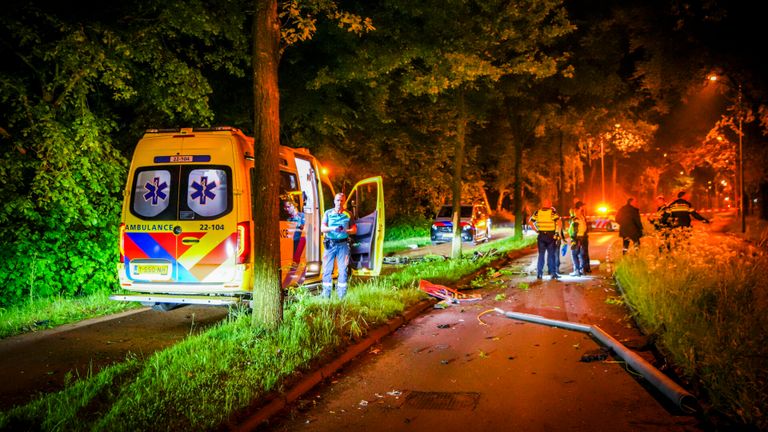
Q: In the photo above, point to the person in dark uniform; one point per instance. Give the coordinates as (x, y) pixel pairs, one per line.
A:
(660, 219)
(546, 222)
(630, 225)
(681, 211)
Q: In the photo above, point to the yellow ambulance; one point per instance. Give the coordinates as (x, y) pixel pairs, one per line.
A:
(187, 229)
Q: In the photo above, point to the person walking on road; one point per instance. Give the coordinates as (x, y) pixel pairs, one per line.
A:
(577, 231)
(681, 211)
(546, 222)
(630, 225)
(337, 229)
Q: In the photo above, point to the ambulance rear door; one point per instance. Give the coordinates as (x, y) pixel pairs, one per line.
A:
(182, 230)
(366, 203)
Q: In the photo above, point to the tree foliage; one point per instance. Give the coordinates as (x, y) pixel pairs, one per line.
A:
(75, 87)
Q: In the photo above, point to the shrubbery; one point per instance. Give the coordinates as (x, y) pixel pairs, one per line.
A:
(706, 297)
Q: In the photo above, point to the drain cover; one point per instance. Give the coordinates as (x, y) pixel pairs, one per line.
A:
(452, 401)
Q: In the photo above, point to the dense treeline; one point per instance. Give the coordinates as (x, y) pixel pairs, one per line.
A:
(530, 90)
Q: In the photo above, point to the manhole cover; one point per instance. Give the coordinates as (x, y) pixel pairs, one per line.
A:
(452, 401)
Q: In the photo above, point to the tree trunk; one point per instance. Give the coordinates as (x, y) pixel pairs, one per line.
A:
(561, 188)
(613, 182)
(500, 201)
(517, 189)
(458, 163)
(267, 292)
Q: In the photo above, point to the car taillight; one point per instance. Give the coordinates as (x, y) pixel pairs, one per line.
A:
(122, 242)
(243, 242)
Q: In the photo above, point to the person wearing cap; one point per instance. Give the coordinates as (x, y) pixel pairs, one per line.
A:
(660, 219)
(681, 211)
(581, 209)
(577, 231)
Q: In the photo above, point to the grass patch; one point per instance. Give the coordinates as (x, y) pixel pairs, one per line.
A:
(44, 313)
(402, 234)
(706, 299)
(392, 246)
(205, 380)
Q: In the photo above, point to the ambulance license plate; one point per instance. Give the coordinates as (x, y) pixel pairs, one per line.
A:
(151, 269)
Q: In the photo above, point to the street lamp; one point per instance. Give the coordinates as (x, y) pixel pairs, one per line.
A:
(740, 203)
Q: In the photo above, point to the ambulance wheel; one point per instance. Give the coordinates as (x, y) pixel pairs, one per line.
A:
(165, 307)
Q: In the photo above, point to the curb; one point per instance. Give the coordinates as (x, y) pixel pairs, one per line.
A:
(315, 377)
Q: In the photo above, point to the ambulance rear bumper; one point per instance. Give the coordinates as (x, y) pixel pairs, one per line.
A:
(176, 299)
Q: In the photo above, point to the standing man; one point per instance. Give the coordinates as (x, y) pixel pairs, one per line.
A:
(630, 225)
(680, 212)
(582, 212)
(337, 229)
(660, 219)
(546, 222)
(577, 231)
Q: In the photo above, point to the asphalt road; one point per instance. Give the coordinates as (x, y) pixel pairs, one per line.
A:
(459, 369)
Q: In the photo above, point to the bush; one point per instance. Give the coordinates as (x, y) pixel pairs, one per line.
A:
(706, 297)
(407, 227)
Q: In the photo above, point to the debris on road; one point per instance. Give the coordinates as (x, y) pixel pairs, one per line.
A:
(599, 354)
(446, 294)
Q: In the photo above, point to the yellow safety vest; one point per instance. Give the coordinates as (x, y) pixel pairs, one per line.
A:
(544, 219)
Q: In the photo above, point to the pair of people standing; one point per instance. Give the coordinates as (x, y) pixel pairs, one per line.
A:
(547, 223)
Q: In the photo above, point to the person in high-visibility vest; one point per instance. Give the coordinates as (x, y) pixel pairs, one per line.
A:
(577, 231)
(680, 212)
(546, 222)
(582, 211)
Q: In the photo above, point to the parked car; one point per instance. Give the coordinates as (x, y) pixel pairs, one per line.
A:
(603, 222)
(475, 224)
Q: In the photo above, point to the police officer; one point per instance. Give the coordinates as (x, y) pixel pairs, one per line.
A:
(660, 219)
(680, 212)
(337, 227)
(581, 210)
(546, 222)
(577, 230)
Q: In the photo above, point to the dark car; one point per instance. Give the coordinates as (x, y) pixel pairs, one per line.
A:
(475, 224)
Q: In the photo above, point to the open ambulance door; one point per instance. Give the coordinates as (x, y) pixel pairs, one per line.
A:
(366, 204)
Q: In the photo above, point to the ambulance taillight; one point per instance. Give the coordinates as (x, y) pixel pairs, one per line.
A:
(122, 242)
(243, 242)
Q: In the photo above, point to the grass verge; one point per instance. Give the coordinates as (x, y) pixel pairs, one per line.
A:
(205, 380)
(705, 298)
(39, 314)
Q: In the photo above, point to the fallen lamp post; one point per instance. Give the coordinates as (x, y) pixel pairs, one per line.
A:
(673, 391)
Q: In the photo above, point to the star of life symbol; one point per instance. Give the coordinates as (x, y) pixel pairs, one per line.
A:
(203, 190)
(155, 191)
